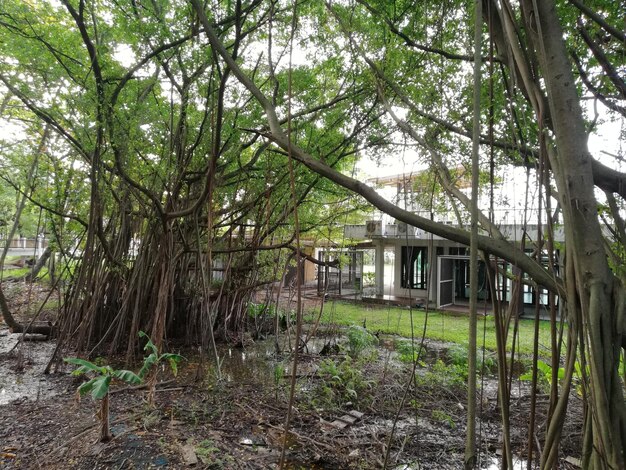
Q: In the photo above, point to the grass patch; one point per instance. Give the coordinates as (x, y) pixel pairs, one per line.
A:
(17, 273)
(441, 325)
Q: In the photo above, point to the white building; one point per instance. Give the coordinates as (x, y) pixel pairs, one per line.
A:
(430, 269)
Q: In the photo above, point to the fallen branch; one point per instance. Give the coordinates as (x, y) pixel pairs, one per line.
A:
(17, 327)
(142, 386)
(291, 431)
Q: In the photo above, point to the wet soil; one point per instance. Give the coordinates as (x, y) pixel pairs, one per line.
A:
(234, 416)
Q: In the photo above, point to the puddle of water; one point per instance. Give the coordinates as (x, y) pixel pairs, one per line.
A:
(247, 365)
(30, 383)
(257, 362)
(494, 463)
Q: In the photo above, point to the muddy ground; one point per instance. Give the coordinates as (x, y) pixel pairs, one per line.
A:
(345, 409)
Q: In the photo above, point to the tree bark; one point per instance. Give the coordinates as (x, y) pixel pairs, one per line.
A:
(595, 294)
(470, 436)
(17, 327)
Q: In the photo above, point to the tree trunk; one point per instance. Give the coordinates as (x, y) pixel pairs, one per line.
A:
(17, 327)
(470, 437)
(595, 294)
(41, 262)
(22, 202)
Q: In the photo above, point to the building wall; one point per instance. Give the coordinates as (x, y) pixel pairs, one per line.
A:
(430, 293)
(310, 269)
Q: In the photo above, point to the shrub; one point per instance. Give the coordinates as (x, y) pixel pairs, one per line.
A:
(359, 339)
(341, 381)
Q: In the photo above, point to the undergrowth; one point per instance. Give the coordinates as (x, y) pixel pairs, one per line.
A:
(441, 326)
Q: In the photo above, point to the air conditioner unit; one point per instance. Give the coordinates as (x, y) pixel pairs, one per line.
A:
(403, 229)
(374, 228)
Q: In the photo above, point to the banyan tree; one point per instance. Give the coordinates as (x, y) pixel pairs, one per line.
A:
(176, 125)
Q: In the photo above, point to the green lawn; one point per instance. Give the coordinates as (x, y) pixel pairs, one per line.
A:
(21, 272)
(440, 326)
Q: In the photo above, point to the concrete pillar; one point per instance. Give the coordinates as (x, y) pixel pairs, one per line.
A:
(433, 269)
(379, 267)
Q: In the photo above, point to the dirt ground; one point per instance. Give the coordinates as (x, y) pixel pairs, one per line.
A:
(346, 412)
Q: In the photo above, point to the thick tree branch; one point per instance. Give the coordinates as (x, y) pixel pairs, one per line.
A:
(610, 72)
(500, 248)
(619, 35)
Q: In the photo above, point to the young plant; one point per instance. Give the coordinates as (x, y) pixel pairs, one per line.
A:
(99, 387)
(359, 339)
(154, 358)
(279, 375)
(342, 382)
(544, 374)
(99, 384)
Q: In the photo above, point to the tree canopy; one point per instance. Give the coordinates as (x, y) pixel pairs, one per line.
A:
(161, 134)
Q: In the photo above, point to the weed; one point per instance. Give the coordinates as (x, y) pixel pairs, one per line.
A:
(341, 381)
(443, 375)
(261, 310)
(458, 355)
(544, 375)
(443, 417)
(208, 454)
(279, 375)
(407, 352)
(359, 339)
(415, 404)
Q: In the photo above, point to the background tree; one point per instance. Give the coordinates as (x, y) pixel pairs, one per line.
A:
(181, 185)
(594, 294)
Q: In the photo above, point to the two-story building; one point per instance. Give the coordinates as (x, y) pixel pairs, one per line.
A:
(428, 269)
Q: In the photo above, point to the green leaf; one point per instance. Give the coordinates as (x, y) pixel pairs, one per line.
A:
(127, 376)
(544, 368)
(100, 386)
(149, 345)
(85, 365)
(173, 365)
(148, 362)
(86, 387)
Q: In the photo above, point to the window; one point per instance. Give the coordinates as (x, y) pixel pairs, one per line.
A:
(532, 294)
(414, 266)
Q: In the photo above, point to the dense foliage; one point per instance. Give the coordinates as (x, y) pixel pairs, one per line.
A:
(171, 143)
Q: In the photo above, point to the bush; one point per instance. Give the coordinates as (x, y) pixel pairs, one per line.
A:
(359, 339)
(341, 381)
(443, 375)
